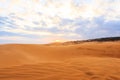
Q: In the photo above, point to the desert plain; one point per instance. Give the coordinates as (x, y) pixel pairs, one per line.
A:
(85, 61)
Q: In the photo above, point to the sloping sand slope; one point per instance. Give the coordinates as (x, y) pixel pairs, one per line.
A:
(87, 61)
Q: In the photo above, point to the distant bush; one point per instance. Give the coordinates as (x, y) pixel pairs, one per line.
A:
(94, 40)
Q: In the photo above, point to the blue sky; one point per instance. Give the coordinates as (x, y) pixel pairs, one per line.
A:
(44, 21)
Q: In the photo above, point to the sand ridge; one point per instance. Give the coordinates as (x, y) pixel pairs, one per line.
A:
(87, 61)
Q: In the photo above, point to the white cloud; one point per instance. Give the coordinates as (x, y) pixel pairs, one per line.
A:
(109, 9)
(64, 9)
(12, 38)
(19, 39)
(50, 13)
(27, 32)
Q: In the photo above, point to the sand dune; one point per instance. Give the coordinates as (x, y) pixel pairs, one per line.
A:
(86, 61)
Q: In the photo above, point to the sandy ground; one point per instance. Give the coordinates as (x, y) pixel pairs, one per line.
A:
(86, 61)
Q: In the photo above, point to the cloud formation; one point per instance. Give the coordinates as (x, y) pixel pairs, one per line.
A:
(52, 19)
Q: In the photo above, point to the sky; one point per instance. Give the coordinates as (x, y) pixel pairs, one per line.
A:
(45, 21)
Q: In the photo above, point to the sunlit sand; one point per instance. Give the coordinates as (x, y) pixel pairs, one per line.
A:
(86, 61)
